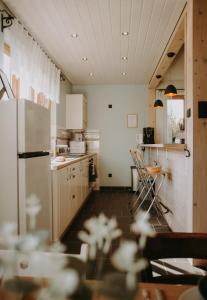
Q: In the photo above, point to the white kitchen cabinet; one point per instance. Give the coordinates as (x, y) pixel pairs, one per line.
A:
(70, 190)
(61, 203)
(85, 179)
(76, 111)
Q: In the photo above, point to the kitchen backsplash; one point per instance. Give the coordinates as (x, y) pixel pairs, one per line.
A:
(64, 136)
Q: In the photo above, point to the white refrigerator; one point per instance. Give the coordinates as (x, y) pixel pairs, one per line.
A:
(24, 162)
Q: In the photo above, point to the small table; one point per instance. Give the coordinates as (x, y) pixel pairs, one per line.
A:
(170, 291)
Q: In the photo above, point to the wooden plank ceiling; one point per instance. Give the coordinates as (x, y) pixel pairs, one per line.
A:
(99, 25)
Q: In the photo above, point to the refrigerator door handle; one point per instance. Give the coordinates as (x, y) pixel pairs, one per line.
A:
(33, 154)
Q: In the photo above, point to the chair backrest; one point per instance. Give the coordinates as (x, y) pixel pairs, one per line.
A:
(138, 157)
(175, 245)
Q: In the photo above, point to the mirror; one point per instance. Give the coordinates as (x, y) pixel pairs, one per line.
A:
(170, 123)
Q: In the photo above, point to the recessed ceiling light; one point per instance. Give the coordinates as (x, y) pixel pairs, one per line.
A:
(123, 73)
(125, 33)
(84, 58)
(74, 35)
(91, 74)
(124, 58)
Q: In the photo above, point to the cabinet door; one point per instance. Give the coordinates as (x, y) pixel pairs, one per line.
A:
(74, 187)
(63, 196)
(75, 111)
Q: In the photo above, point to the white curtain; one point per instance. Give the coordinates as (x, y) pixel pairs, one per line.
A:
(31, 65)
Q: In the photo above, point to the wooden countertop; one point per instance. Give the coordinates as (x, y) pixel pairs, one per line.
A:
(59, 165)
(166, 146)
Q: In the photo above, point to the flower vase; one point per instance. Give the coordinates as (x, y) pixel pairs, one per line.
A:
(114, 287)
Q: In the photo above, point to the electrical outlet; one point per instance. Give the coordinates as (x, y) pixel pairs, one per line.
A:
(109, 175)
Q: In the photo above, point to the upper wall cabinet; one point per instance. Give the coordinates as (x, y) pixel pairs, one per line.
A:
(76, 111)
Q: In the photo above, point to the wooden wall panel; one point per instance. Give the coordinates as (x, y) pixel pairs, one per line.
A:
(196, 90)
(174, 192)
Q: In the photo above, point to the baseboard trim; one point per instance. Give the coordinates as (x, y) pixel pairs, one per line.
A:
(115, 188)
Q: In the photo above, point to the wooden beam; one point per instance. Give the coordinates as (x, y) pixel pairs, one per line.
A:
(174, 45)
(196, 90)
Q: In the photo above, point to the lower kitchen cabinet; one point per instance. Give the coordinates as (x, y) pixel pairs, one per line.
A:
(70, 190)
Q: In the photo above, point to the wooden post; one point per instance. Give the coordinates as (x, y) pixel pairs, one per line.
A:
(196, 90)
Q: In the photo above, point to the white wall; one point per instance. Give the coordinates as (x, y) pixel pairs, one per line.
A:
(115, 138)
(65, 88)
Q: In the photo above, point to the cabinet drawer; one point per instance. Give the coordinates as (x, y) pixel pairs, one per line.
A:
(74, 168)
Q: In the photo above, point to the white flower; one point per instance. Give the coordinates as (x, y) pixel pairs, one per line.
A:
(8, 235)
(65, 283)
(101, 231)
(28, 243)
(33, 207)
(57, 247)
(142, 225)
(124, 259)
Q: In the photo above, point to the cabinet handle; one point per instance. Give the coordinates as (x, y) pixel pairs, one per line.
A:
(73, 176)
(73, 196)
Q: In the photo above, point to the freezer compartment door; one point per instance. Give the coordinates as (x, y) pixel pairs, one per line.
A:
(35, 178)
(33, 127)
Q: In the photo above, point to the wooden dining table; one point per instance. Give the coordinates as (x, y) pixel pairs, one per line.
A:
(170, 291)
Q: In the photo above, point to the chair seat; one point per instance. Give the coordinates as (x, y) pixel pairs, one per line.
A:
(153, 169)
(174, 245)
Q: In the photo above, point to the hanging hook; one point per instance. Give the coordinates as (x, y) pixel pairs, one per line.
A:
(187, 152)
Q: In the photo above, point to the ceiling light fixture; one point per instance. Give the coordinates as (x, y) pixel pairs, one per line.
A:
(158, 76)
(84, 58)
(170, 90)
(124, 58)
(91, 74)
(170, 54)
(123, 73)
(125, 33)
(74, 35)
(158, 103)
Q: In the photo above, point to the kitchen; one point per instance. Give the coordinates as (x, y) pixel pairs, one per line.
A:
(111, 83)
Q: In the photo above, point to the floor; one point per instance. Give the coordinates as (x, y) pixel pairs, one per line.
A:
(111, 203)
(115, 203)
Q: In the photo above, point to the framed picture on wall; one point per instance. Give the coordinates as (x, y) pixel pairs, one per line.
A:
(132, 120)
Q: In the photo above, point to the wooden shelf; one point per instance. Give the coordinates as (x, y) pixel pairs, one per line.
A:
(180, 147)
